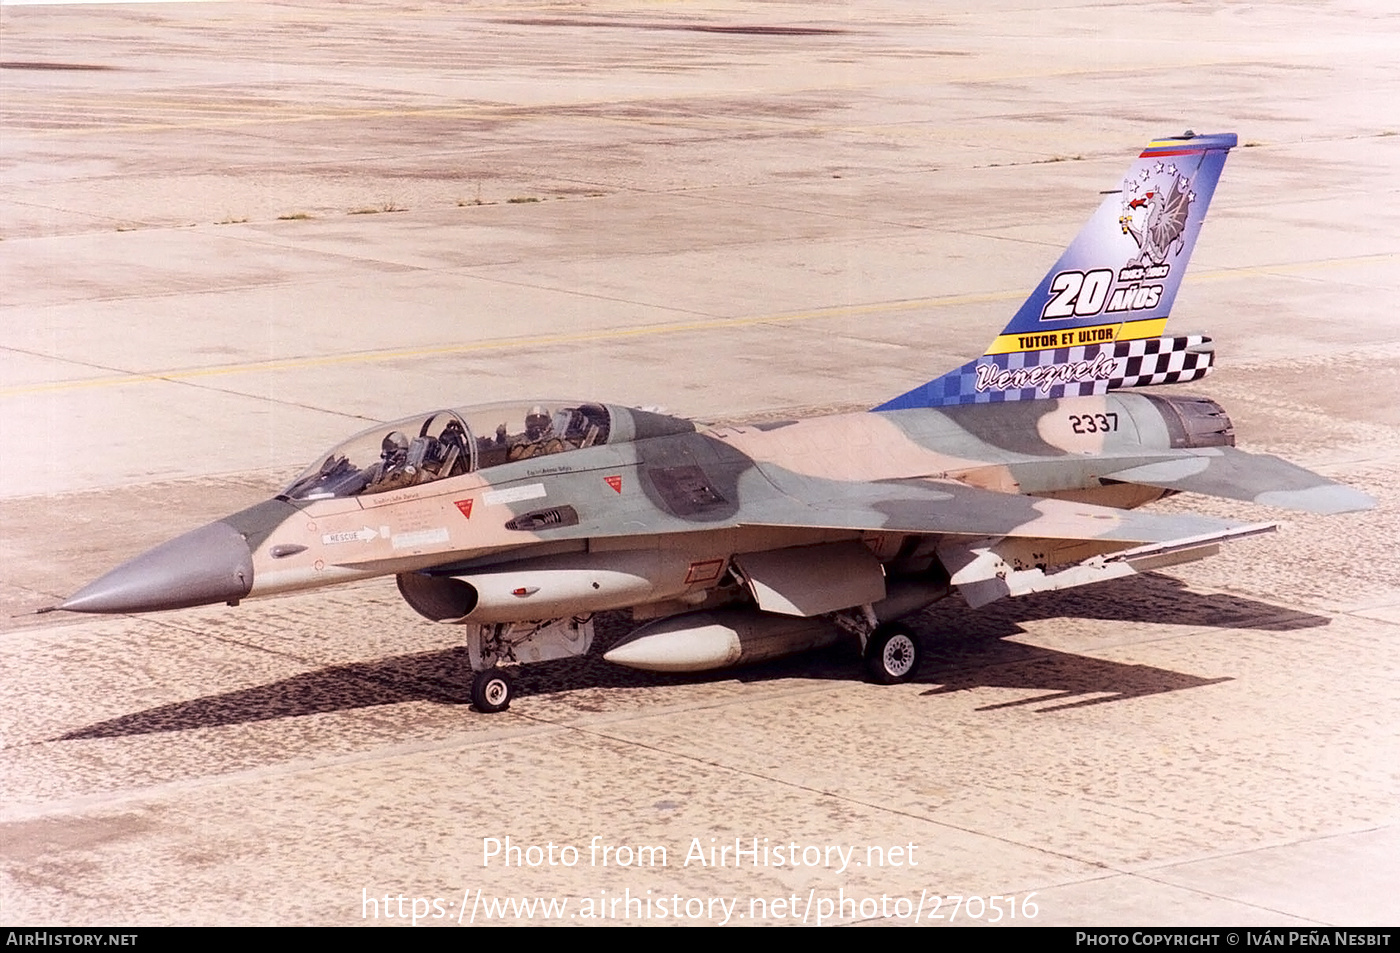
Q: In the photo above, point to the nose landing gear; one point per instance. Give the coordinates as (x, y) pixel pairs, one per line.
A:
(491, 691)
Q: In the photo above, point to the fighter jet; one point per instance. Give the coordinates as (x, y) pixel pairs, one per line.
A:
(1016, 473)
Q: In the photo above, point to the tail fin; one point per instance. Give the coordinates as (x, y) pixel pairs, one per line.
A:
(1094, 323)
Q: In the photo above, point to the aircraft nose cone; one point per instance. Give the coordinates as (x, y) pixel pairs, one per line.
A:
(211, 564)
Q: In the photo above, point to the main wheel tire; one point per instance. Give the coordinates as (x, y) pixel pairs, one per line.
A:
(491, 691)
(892, 655)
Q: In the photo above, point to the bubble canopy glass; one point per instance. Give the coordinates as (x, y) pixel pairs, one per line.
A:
(448, 443)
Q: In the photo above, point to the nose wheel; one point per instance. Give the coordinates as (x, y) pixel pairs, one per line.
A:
(892, 655)
(491, 691)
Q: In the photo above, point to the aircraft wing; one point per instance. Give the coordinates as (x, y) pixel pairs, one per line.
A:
(948, 508)
(996, 545)
(1254, 478)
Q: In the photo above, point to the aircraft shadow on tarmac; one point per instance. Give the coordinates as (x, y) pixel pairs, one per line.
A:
(963, 649)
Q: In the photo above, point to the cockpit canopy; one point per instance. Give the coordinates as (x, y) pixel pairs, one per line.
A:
(449, 443)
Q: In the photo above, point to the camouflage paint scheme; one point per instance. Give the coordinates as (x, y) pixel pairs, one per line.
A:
(739, 544)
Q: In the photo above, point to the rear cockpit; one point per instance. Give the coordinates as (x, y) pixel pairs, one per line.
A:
(449, 443)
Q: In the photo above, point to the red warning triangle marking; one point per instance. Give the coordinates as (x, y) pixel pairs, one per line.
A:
(465, 506)
(614, 481)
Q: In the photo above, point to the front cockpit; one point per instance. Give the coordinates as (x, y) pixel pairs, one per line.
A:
(449, 443)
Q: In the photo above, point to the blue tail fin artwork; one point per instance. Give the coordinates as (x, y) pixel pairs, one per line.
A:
(1095, 322)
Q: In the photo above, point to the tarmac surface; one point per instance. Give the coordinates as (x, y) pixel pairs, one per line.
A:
(233, 233)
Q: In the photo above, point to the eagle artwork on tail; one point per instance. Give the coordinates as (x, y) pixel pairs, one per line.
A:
(1162, 198)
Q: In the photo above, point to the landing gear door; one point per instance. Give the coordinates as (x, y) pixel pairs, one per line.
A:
(813, 580)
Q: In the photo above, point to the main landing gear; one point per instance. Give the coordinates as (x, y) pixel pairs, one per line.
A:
(891, 650)
(892, 654)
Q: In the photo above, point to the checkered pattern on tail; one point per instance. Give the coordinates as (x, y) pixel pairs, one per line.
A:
(1162, 360)
(1084, 370)
(1081, 371)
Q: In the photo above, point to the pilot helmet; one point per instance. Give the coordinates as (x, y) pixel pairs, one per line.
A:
(537, 422)
(395, 446)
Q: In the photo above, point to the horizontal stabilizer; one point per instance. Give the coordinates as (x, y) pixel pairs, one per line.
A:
(1253, 478)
